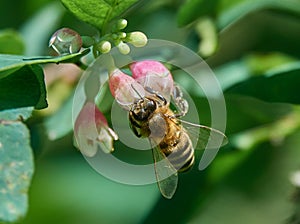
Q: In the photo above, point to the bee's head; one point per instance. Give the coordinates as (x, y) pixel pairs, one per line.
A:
(143, 108)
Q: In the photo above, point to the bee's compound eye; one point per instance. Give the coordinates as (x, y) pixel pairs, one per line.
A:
(151, 106)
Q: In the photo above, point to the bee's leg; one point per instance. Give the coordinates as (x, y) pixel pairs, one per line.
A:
(134, 127)
(180, 103)
(182, 106)
(135, 131)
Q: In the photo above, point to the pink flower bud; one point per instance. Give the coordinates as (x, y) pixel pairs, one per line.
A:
(142, 68)
(92, 132)
(153, 74)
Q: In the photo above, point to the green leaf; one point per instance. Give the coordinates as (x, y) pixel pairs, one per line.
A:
(231, 11)
(16, 165)
(245, 112)
(259, 183)
(280, 85)
(60, 123)
(193, 9)
(227, 12)
(97, 12)
(20, 114)
(11, 63)
(11, 42)
(22, 80)
(274, 132)
(23, 88)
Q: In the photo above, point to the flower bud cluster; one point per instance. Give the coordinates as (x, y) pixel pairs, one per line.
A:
(121, 39)
(68, 41)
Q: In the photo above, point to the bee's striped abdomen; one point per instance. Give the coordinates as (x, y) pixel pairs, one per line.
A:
(182, 154)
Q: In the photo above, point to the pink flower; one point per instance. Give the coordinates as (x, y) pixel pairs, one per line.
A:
(153, 74)
(124, 88)
(149, 73)
(91, 131)
(117, 80)
(141, 68)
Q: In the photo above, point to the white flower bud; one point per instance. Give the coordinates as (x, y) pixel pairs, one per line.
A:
(122, 35)
(104, 46)
(137, 39)
(121, 24)
(123, 48)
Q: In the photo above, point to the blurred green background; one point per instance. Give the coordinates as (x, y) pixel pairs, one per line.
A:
(253, 48)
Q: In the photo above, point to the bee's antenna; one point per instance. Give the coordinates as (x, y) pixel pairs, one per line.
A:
(135, 90)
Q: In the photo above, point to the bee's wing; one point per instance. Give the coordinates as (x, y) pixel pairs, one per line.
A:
(204, 136)
(179, 102)
(166, 174)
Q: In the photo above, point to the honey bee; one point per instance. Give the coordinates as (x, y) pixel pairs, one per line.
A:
(151, 117)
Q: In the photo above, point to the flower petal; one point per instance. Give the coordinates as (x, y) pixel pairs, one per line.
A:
(153, 74)
(92, 132)
(125, 89)
(142, 68)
